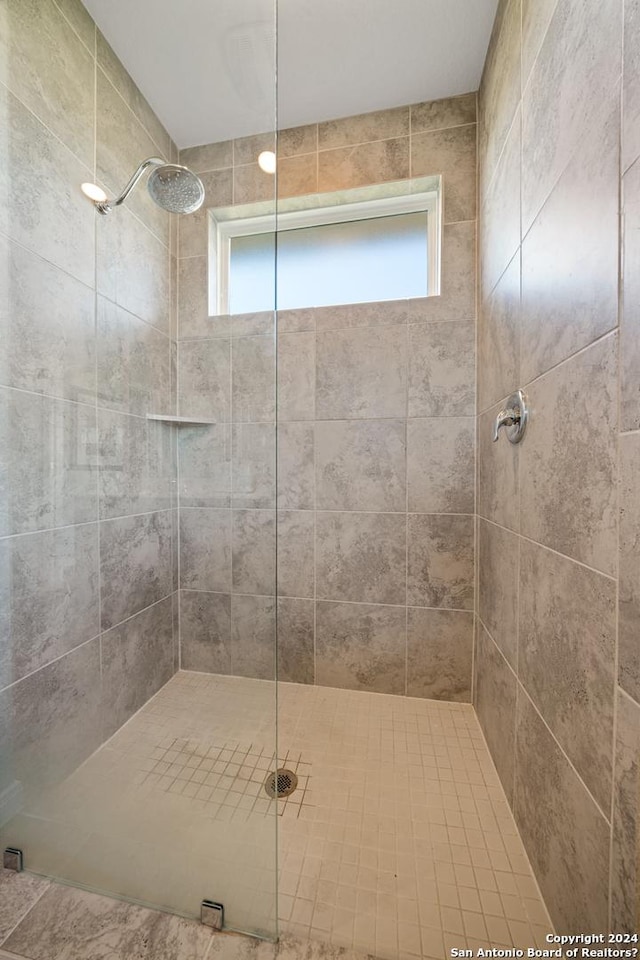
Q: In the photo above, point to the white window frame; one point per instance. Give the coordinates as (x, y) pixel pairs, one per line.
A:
(222, 231)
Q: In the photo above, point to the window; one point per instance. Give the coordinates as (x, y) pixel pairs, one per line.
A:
(364, 248)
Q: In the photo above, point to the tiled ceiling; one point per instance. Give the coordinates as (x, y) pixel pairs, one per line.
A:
(208, 66)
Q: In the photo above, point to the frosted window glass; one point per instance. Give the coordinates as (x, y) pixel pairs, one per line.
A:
(360, 261)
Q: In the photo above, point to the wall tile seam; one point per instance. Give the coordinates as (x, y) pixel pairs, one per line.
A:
(129, 313)
(524, 81)
(544, 546)
(484, 184)
(38, 256)
(619, 422)
(50, 663)
(559, 746)
(120, 623)
(613, 332)
(92, 49)
(319, 599)
(161, 151)
(44, 126)
(525, 230)
(523, 690)
(319, 332)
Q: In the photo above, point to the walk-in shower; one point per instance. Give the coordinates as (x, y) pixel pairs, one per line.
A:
(288, 644)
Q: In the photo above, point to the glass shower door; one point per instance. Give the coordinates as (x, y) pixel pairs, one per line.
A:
(137, 532)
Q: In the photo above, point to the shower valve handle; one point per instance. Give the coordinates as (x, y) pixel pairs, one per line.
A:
(513, 417)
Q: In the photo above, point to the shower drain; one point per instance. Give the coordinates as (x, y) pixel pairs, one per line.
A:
(281, 783)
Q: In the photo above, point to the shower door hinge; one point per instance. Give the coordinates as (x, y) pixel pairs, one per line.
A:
(212, 914)
(12, 859)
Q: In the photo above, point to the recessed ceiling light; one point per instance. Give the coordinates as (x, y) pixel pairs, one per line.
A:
(267, 161)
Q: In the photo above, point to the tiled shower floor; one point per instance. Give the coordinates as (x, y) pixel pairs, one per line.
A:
(398, 841)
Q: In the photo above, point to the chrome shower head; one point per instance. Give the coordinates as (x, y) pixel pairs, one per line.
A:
(176, 188)
(172, 187)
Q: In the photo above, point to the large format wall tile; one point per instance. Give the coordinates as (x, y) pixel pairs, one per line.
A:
(137, 659)
(205, 549)
(204, 454)
(205, 632)
(500, 217)
(566, 658)
(571, 446)
(134, 362)
(441, 369)
(360, 647)
(137, 464)
(440, 561)
(253, 637)
(441, 465)
(50, 70)
(498, 559)
(122, 81)
(500, 87)
(570, 255)
(362, 165)
(135, 561)
(121, 144)
(439, 654)
(451, 152)
(296, 553)
(437, 114)
(254, 379)
(363, 128)
(296, 381)
(629, 558)
(630, 322)
(48, 597)
(47, 463)
(253, 544)
(50, 721)
(565, 835)
(361, 373)
(296, 466)
(498, 474)
(631, 85)
(204, 379)
(361, 557)
(499, 339)
(123, 242)
(47, 327)
(296, 631)
(457, 298)
(253, 465)
(40, 204)
(625, 890)
(361, 465)
(495, 688)
(193, 298)
(579, 62)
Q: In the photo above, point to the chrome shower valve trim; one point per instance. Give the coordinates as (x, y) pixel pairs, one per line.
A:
(513, 418)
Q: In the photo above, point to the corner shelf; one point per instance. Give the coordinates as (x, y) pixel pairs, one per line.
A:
(181, 421)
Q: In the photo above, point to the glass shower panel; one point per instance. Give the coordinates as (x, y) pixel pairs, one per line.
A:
(137, 517)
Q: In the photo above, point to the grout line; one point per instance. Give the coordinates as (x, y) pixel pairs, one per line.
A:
(49, 885)
(520, 686)
(544, 546)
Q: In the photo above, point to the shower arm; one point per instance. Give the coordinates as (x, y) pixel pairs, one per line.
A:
(106, 206)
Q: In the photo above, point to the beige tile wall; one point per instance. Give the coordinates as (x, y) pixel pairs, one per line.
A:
(558, 625)
(375, 441)
(87, 518)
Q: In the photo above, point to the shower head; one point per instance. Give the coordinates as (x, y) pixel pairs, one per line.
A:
(174, 188)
